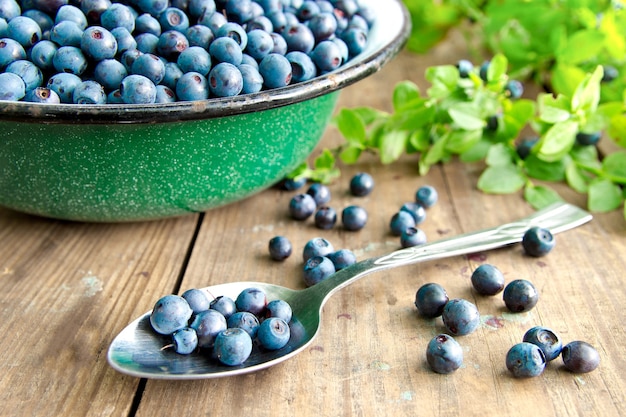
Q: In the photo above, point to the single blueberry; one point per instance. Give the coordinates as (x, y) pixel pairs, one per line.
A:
(244, 320)
(301, 206)
(232, 346)
(170, 313)
(146, 23)
(252, 300)
(548, 341)
(323, 26)
(185, 340)
(317, 269)
(64, 84)
(514, 89)
(150, 66)
(225, 49)
(279, 308)
(356, 40)
(327, 56)
(520, 295)
(361, 184)
(224, 305)
(401, 221)
(302, 66)
(260, 44)
(525, 146)
(24, 30)
(299, 38)
(460, 317)
(426, 196)
(12, 87)
(70, 59)
(197, 299)
(118, 15)
(538, 241)
(291, 184)
(41, 54)
(147, 43)
(412, 236)
(192, 86)
(525, 360)
(320, 193)
(318, 246)
(208, 324)
(28, 72)
(98, 43)
(173, 18)
(164, 94)
(465, 67)
(580, 357)
(225, 80)
(199, 35)
(444, 354)
(342, 258)
(325, 217)
(89, 92)
(354, 218)
(416, 210)
(42, 95)
(110, 73)
(275, 70)
(588, 139)
(280, 248)
(194, 59)
(487, 280)
(137, 89)
(171, 43)
(430, 299)
(273, 333)
(252, 79)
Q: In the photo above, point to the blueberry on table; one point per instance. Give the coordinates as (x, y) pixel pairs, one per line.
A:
(580, 357)
(548, 341)
(317, 269)
(361, 184)
(460, 317)
(412, 236)
(208, 324)
(487, 280)
(520, 295)
(280, 248)
(430, 300)
(320, 193)
(232, 346)
(170, 313)
(416, 210)
(301, 206)
(354, 218)
(342, 258)
(426, 196)
(252, 300)
(325, 217)
(444, 354)
(273, 333)
(318, 246)
(538, 241)
(525, 360)
(185, 340)
(244, 320)
(401, 221)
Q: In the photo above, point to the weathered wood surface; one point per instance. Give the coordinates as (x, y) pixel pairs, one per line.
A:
(67, 288)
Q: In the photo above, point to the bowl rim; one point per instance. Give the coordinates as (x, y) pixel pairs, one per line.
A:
(368, 62)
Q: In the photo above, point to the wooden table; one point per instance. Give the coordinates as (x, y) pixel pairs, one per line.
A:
(68, 288)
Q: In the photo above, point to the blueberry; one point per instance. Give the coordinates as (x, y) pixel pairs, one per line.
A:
(525, 360)
(199, 35)
(318, 246)
(70, 59)
(460, 317)
(525, 146)
(164, 94)
(12, 87)
(487, 280)
(194, 58)
(171, 43)
(299, 38)
(426, 196)
(110, 73)
(301, 206)
(173, 18)
(580, 357)
(273, 333)
(430, 299)
(146, 23)
(239, 11)
(172, 74)
(538, 241)
(147, 43)
(115, 97)
(197, 299)
(342, 258)
(514, 89)
(118, 15)
(588, 139)
(232, 346)
(154, 7)
(548, 341)
(307, 10)
(302, 67)
(9, 9)
(24, 30)
(465, 67)
(412, 236)
(356, 40)
(323, 26)
(185, 340)
(208, 324)
(320, 193)
(137, 89)
(252, 300)
(42, 95)
(416, 210)
(28, 72)
(354, 218)
(483, 70)
(361, 184)
(98, 43)
(89, 92)
(280, 45)
(260, 44)
(225, 80)
(444, 354)
(275, 70)
(610, 73)
(93, 9)
(244, 320)
(10, 50)
(325, 217)
(44, 21)
(64, 84)
(401, 221)
(280, 248)
(224, 305)
(291, 184)
(280, 309)
(327, 56)
(317, 269)
(493, 122)
(197, 7)
(192, 86)
(225, 49)
(170, 313)
(520, 295)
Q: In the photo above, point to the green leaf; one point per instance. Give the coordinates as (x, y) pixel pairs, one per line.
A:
(553, 109)
(501, 179)
(419, 140)
(443, 79)
(587, 94)
(557, 141)
(351, 126)
(477, 152)
(617, 130)
(497, 68)
(350, 154)
(466, 116)
(565, 78)
(540, 196)
(404, 93)
(546, 171)
(434, 154)
(462, 140)
(604, 196)
(418, 115)
(614, 166)
(576, 178)
(392, 144)
(324, 160)
(583, 45)
(499, 154)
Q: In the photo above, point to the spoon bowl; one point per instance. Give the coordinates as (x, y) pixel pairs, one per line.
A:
(137, 349)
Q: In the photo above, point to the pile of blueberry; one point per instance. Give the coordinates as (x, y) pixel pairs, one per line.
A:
(227, 329)
(161, 51)
(404, 222)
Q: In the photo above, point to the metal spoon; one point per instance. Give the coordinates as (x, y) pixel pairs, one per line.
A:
(137, 349)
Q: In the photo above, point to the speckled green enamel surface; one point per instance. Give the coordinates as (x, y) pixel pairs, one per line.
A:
(126, 172)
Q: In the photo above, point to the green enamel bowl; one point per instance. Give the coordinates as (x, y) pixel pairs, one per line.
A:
(114, 163)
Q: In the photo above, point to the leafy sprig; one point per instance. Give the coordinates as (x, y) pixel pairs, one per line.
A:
(474, 117)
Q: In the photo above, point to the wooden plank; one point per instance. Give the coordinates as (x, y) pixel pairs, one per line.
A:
(67, 289)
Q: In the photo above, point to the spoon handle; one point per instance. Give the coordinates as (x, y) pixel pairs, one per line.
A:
(557, 218)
